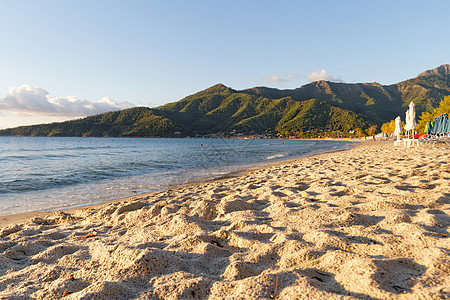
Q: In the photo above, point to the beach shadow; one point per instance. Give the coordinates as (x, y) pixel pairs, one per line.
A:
(313, 193)
(279, 194)
(337, 183)
(445, 199)
(159, 245)
(438, 212)
(156, 264)
(397, 276)
(281, 228)
(340, 193)
(354, 238)
(246, 198)
(259, 221)
(384, 180)
(314, 206)
(28, 253)
(426, 185)
(301, 186)
(384, 231)
(406, 187)
(218, 196)
(291, 204)
(260, 205)
(368, 220)
(325, 281)
(362, 220)
(378, 180)
(412, 209)
(262, 215)
(216, 225)
(259, 236)
(442, 221)
(311, 199)
(363, 240)
(275, 187)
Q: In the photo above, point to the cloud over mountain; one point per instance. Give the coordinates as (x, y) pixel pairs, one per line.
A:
(321, 75)
(315, 75)
(27, 99)
(280, 79)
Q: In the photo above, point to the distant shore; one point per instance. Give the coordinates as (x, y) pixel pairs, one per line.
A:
(369, 222)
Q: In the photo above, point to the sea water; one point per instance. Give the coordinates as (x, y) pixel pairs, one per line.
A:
(49, 173)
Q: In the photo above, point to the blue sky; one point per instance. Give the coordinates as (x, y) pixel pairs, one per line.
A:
(65, 59)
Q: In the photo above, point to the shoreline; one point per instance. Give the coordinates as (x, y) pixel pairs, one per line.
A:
(369, 222)
(16, 218)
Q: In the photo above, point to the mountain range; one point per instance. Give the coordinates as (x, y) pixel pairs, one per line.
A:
(317, 107)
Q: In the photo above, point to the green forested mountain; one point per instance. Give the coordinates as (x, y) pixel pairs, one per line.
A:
(221, 109)
(380, 103)
(137, 121)
(315, 107)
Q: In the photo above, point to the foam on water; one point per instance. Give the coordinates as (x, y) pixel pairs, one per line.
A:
(280, 155)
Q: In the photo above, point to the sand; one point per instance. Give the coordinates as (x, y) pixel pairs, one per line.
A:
(367, 223)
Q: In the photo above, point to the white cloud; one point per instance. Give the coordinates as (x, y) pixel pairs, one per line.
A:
(275, 78)
(321, 75)
(280, 79)
(29, 100)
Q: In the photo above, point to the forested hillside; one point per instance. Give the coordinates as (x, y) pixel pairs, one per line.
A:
(138, 121)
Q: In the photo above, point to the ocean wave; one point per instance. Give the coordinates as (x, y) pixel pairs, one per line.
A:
(279, 155)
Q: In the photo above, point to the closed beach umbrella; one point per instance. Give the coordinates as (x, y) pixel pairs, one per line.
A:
(428, 127)
(445, 123)
(412, 116)
(407, 121)
(440, 129)
(434, 125)
(439, 124)
(398, 127)
(448, 125)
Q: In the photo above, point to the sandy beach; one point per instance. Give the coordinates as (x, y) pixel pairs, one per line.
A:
(367, 223)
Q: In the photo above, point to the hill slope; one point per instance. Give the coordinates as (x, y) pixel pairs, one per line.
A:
(380, 103)
(137, 121)
(221, 109)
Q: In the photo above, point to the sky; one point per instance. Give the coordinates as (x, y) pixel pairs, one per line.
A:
(62, 60)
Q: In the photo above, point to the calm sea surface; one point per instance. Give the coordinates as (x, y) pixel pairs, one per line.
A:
(38, 173)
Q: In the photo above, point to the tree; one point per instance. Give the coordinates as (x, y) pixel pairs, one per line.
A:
(444, 107)
(388, 127)
(372, 129)
(359, 132)
(424, 118)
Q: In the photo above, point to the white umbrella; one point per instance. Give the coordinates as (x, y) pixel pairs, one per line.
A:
(398, 127)
(412, 117)
(408, 122)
